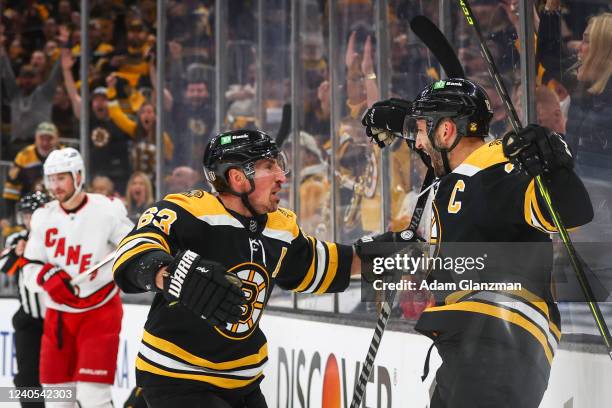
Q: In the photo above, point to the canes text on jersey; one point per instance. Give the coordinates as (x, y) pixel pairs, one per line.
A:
(72, 253)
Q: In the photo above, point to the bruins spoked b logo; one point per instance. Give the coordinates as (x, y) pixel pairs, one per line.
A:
(255, 284)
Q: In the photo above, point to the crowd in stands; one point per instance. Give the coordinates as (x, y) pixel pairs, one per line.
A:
(40, 59)
(41, 87)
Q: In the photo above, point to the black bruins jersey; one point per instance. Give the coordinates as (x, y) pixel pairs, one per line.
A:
(487, 200)
(26, 171)
(178, 345)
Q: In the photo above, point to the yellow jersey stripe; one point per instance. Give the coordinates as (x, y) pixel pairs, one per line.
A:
(555, 330)
(499, 313)
(280, 222)
(310, 275)
(532, 298)
(207, 204)
(173, 349)
(456, 296)
(332, 267)
(531, 203)
(221, 382)
(134, 251)
(10, 195)
(153, 235)
(486, 155)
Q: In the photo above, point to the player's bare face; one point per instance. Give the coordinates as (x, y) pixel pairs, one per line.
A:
(423, 143)
(61, 186)
(269, 179)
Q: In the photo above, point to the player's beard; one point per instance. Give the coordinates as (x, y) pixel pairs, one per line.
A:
(436, 160)
(64, 196)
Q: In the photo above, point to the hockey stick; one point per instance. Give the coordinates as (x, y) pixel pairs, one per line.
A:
(385, 312)
(516, 125)
(437, 44)
(285, 126)
(82, 277)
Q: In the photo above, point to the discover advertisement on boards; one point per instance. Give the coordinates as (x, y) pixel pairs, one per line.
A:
(313, 364)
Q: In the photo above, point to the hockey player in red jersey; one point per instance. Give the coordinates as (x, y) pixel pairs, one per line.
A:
(68, 236)
(496, 346)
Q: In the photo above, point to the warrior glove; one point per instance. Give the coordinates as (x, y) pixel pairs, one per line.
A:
(400, 241)
(384, 121)
(537, 150)
(205, 288)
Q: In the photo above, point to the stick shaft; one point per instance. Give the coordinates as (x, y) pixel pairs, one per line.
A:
(516, 125)
(385, 312)
(82, 277)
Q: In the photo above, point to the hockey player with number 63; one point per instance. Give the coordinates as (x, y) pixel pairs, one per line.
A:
(68, 236)
(213, 261)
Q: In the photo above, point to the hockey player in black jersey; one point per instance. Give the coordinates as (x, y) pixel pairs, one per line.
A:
(28, 320)
(496, 346)
(214, 259)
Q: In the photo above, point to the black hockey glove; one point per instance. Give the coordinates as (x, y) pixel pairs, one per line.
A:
(384, 121)
(537, 150)
(205, 288)
(367, 255)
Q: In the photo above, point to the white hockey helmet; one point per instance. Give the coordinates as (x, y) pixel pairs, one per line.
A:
(66, 160)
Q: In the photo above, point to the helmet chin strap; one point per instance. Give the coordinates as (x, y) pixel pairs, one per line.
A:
(244, 197)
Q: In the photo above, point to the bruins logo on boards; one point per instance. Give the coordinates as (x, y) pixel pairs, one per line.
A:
(255, 284)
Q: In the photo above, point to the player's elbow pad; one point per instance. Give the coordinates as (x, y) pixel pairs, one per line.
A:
(139, 276)
(570, 198)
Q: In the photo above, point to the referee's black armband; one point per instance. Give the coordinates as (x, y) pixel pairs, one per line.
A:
(141, 275)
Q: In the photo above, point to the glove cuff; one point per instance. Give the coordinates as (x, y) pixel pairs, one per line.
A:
(148, 266)
(46, 272)
(177, 273)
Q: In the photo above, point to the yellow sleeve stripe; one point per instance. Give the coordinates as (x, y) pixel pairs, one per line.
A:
(157, 237)
(332, 267)
(532, 210)
(227, 383)
(500, 313)
(457, 296)
(135, 251)
(310, 275)
(10, 195)
(555, 330)
(122, 120)
(173, 349)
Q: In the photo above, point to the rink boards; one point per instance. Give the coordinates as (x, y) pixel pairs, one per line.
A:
(315, 364)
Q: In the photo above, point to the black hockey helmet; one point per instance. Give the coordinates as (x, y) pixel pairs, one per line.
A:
(31, 201)
(460, 99)
(239, 149)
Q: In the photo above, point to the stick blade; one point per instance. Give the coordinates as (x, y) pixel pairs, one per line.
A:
(437, 43)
